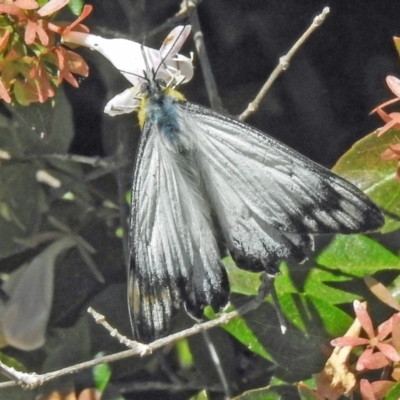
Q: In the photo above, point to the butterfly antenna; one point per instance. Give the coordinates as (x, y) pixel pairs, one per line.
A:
(146, 61)
(169, 52)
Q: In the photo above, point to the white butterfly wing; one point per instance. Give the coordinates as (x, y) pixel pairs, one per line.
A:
(174, 254)
(267, 197)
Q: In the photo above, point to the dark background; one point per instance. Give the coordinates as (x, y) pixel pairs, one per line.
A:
(319, 106)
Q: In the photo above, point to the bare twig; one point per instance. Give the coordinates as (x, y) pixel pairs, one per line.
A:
(185, 11)
(209, 80)
(165, 386)
(100, 319)
(33, 380)
(91, 176)
(283, 65)
(108, 162)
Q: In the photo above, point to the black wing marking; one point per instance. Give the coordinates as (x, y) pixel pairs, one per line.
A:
(267, 197)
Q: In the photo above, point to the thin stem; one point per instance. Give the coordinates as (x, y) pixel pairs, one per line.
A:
(269, 282)
(186, 9)
(108, 162)
(217, 362)
(33, 380)
(209, 80)
(283, 65)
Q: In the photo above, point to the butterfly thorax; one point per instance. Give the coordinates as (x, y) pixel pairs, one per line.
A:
(159, 106)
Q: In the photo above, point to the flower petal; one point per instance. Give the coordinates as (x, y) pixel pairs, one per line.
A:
(389, 155)
(365, 355)
(396, 331)
(349, 341)
(375, 361)
(181, 67)
(4, 94)
(26, 4)
(123, 103)
(383, 114)
(396, 149)
(377, 288)
(75, 63)
(4, 37)
(393, 84)
(389, 351)
(51, 7)
(381, 388)
(393, 123)
(12, 10)
(174, 41)
(87, 9)
(386, 103)
(133, 60)
(33, 29)
(124, 54)
(364, 318)
(366, 390)
(384, 329)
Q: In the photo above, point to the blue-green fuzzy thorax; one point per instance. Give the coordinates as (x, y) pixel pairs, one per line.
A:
(161, 110)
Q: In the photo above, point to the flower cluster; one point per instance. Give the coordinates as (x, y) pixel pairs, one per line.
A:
(392, 120)
(380, 352)
(133, 59)
(32, 63)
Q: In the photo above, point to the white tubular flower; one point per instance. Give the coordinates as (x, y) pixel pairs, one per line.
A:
(128, 57)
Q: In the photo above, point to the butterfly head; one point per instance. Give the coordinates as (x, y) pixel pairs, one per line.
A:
(156, 98)
(154, 88)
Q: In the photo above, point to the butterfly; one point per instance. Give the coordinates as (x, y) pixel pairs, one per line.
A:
(201, 177)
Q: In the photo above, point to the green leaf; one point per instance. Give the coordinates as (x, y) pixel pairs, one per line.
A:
(42, 2)
(241, 281)
(314, 316)
(306, 393)
(101, 376)
(342, 260)
(362, 165)
(240, 330)
(270, 393)
(357, 253)
(200, 396)
(337, 268)
(30, 288)
(35, 130)
(76, 6)
(22, 203)
(312, 322)
(306, 295)
(12, 362)
(184, 354)
(259, 394)
(394, 393)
